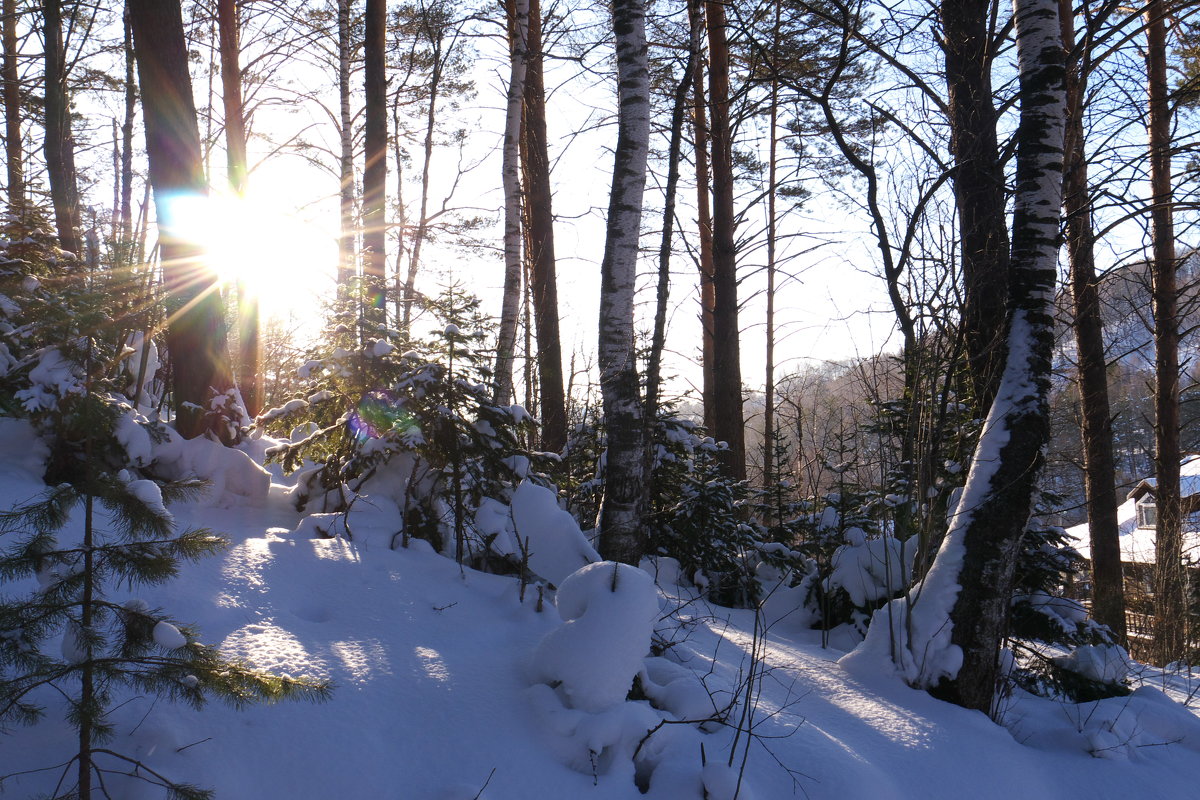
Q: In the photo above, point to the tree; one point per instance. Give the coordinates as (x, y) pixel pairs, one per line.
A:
(196, 332)
(59, 144)
(517, 15)
(620, 517)
(543, 280)
(946, 634)
(13, 148)
(1170, 608)
(1108, 599)
(968, 43)
(374, 205)
(249, 350)
(728, 423)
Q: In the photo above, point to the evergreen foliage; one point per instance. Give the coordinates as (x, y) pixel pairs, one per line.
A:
(420, 427)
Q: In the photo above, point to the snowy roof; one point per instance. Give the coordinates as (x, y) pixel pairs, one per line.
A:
(1137, 544)
(1189, 479)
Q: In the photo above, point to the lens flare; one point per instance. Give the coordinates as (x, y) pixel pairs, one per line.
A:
(379, 412)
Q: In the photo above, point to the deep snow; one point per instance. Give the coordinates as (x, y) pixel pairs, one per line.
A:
(440, 691)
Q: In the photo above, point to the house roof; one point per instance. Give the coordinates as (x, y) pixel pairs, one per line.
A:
(1137, 544)
(1189, 479)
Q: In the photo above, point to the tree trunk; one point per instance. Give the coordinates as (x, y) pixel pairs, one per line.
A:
(1170, 608)
(662, 295)
(704, 224)
(126, 237)
(196, 335)
(59, 144)
(414, 260)
(543, 277)
(518, 28)
(375, 168)
(249, 348)
(978, 190)
(346, 266)
(620, 515)
(1108, 592)
(946, 634)
(768, 476)
(727, 370)
(12, 110)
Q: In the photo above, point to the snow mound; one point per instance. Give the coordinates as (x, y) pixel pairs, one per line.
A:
(609, 611)
(557, 548)
(234, 478)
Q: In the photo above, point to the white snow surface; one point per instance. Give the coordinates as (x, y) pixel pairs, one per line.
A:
(556, 545)
(432, 697)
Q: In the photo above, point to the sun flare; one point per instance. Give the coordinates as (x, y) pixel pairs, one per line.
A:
(279, 255)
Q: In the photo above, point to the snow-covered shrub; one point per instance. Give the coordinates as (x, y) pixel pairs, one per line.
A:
(858, 565)
(1046, 624)
(416, 427)
(608, 611)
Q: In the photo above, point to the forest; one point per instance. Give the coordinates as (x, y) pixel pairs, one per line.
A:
(692, 399)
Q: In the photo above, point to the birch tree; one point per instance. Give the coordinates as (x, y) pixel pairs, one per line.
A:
(946, 634)
(620, 537)
(517, 12)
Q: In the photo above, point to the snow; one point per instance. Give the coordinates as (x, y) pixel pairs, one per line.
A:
(168, 637)
(556, 545)
(608, 612)
(432, 672)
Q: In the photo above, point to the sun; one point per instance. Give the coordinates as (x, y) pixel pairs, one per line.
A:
(283, 256)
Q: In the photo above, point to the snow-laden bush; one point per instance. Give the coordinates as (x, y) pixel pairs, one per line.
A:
(417, 427)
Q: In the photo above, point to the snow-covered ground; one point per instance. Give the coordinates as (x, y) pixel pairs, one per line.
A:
(441, 691)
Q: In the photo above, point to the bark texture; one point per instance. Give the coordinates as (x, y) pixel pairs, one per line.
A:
(196, 334)
(59, 143)
(506, 343)
(375, 169)
(978, 190)
(1108, 589)
(1170, 607)
(729, 426)
(997, 501)
(620, 516)
(12, 109)
(543, 276)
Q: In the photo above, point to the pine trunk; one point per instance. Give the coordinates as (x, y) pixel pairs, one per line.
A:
(543, 266)
(727, 370)
(620, 515)
(1108, 589)
(375, 167)
(249, 348)
(59, 144)
(1170, 608)
(346, 266)
(704, 221)
(978, 190)
(12, 110)
(196, 335)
